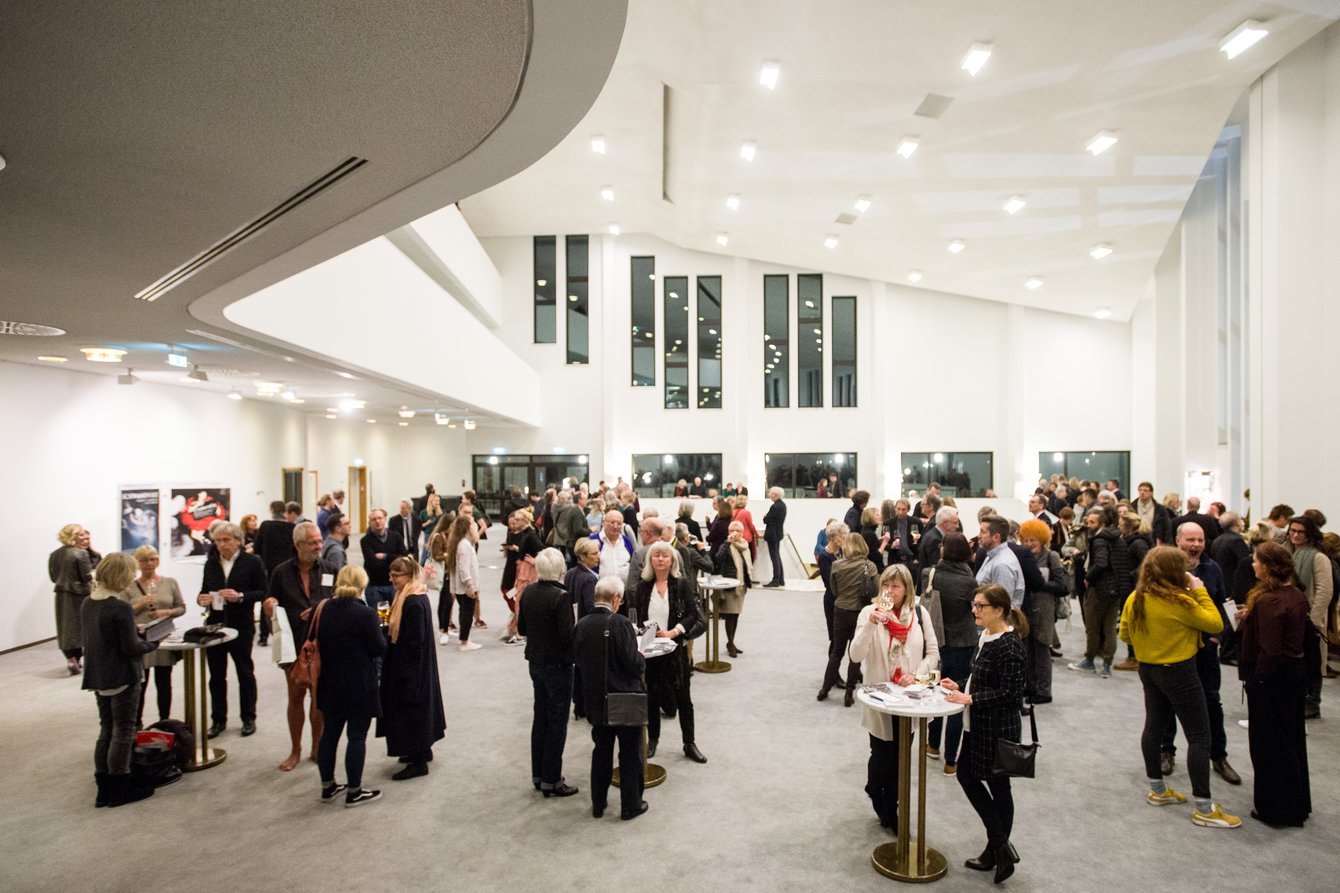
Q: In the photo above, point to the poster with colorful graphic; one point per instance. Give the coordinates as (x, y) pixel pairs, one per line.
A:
(139, 518)
(193, 509)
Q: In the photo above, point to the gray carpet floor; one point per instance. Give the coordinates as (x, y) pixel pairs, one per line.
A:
(778, 806)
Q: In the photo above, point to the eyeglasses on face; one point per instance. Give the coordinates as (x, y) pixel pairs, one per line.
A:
(980, 606)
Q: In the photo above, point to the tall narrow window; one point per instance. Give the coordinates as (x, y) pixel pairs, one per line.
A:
(776, 341)
(579, 316)
(810, 339)
(676, 299)
(643, 290)
(844, 351)
(546, 311)
(709, 342)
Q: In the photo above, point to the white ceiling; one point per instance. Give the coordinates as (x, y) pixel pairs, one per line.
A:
(852, 75)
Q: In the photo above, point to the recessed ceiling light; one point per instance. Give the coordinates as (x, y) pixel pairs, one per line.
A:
(403, 424)
(541, 282)
(748, 150)
(53, 359)
(607, 193)
(331, 415)
(469, 424)
(10, 327)
(179, 360)
(1098, 252)
(914, 276)
(976, 58)
(1033, 283)
(1101, 142)
(1242, 37)
(733, 202)
(908, 146)
(722, 239)
(862, 204)
(1103, 312)
(268, 388)
(289, 396)
(598, 145)
(1014, 204)
(234, 394)
(956, 246)
(347, 375)
(451, 426)
(614, 229)
(830, 242)
(406, 413)
(442, 420)
(372, 421)
(102, 354)
(351, 405)
(768, 76)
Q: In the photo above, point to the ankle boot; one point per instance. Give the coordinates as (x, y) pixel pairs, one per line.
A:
(101, 779)
(1004, 862)
(984, 862)
(122, 789)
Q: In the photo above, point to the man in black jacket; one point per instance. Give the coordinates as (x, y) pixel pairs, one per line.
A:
(1193, 516)
(859, 500)
(928, 551)
(609, 660)
(773, 523)
(544, 617)
(380, 547)
(274, 538)
(232, 584)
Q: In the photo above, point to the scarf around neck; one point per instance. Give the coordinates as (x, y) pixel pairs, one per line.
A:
(737, 550)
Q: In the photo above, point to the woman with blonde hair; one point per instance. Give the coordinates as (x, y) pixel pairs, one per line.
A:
(153, 597)
(435, 575)
(1165, 620)
(411, 696)
(742, 514)
(350, 640)
(732, 561)
(462, 566)
(71, 570)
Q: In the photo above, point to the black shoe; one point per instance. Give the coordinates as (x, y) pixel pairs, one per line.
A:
(693, 753)
(560, 790)
(823, 693)
(597, 812)
(413, 770)
(984, 862)
(216, 730)
(651, 748)
(849, 698)
(1056, 652)
(1004, 862)
(361, 796)
(579, 714)
(1311, 711)
(100, 778)
(1041, 699)
(248, 728)
(122, 789)
(841, 683)
(629, 816)
(732, 650)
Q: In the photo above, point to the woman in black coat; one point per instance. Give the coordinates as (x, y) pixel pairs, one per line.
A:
(412, 716)
(994, 699)
(665, 596)
(350, 640)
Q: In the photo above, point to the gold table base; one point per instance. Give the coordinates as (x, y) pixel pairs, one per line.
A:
(197, 713)
(714, 664)
(652, 774)
(885, 860)
(899, 860)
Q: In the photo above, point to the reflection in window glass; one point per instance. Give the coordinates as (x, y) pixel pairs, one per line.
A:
(776, 341)
(495, 475)
(709, 342)
(799, 474)
(658, 474)
(675, 295)
(579, 336)
(643, 290)
(958, 474)
(1089, 465)
(546, 313)
(844, 351)
(810, 339)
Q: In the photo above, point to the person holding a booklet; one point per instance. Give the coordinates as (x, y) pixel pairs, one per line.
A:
(155, 598)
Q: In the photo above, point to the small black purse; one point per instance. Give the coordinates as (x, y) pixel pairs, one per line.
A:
(622, 708)
(1015, 759)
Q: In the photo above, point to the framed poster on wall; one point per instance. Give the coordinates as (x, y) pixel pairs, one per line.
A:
(139, 518)
(193, 509)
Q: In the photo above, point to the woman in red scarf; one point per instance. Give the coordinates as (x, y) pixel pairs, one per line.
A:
(895, 642)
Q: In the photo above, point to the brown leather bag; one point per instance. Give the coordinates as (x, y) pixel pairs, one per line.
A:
(307, 668)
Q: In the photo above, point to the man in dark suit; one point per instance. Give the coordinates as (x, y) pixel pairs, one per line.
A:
(773, 523)
(405, 528)
(904, 537)
(946, 521)
(1193, 516)
(379, 548)
(609, 661)
(274, 538)
(544, 617)
(234, 580)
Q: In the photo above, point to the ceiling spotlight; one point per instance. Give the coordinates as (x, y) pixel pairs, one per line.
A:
(53, 359)
(607, 193)
(1103, 312)
(748, 150)
(197, 374)
(1099, 252)
(289, 396)
(1014, 204)
(976, 58)
(722, 239)
(442, 420)
(331, 416)
(372, 421)
(1101, 142)
(733, 202)
(956, 246)
(234, 394)
(1033, 283)
(1242, 37)
(614, 229)
(768, 76)
(914, 276)
(178, 359)
(598, 145)
(127, 377)
(351, 405)
(862, 204)
(541, 282)
(469, 424)
(102, 354)
(268, 388)
(908, 146)
(830, 242)
(406, 413)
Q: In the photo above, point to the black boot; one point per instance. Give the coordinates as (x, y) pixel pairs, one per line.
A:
(121, 789)
(417, 769)
(101, 779)
(1004, 862)
(984, 862)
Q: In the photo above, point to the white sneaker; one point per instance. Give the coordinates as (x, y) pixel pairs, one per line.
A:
(1242, 723)
(443, 639)
(470, 646)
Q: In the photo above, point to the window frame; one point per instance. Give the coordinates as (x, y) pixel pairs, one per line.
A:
(806, 322)
(546, 296)
(640, 334)
(849, 400)
(948, 462)
(706, 398)
(777, 398)
(577, 285)
(675, 356)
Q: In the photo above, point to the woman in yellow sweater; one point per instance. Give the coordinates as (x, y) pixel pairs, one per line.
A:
(1164, 620)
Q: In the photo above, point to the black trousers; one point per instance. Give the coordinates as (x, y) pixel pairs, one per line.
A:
(668, 686)
(993, 800)
(844, 630)
(775, 552)
(466, 610)
(1208, 670)
(1282, 794)
(1173, 692)
(239, 650)
(549, 724)
(881, 777)
(116, 731)
(630, 765)
(163, 684)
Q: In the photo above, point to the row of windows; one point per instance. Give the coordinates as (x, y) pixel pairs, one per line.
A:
(809, 349)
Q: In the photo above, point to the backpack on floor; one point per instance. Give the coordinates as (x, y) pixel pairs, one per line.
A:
(161, 752)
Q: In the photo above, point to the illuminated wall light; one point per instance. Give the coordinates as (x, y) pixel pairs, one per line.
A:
(179, 360)
(1101, 142)
(749, 150)
(607, 193)
(53, 359)
(470, 424)
(733, 202)
(1033, 283)
(1103, 313)
(862, 204)
(957, 246)
(769, 73)
(403, 424)
(406, 413)
(347, 375)
(1242, 37)
(102, 354)
(234, 395)
(1014, 204)
(614, 229)
(722, 239)
(1098, 252)
(914, 276)
(976, 58)
(830, 242)
(598, 144)
(908, 146)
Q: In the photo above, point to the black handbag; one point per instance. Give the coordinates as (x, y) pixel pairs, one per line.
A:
(622, 708)
(1015, 759)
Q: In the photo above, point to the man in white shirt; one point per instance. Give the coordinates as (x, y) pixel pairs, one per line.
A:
(616, 548)
(1000, 566)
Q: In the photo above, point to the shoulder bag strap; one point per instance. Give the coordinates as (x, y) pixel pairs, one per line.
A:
(316, 620)
(930, 581)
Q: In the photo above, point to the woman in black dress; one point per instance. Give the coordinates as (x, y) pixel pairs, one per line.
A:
(1273, 627)
(411, 697)
(519, 551)
(350, 640)
(993, 698)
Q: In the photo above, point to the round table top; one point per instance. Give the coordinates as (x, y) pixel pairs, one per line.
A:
(715, 582)
(930, 705)
(175, 642)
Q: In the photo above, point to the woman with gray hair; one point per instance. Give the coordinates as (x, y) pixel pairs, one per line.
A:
(544, 617)
(71, 571)
(685, 517)
(664, 596)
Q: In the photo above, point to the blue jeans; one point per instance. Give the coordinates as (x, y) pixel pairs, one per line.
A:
(116, 734)
(549, 723)
(354, 753)
(956, 664)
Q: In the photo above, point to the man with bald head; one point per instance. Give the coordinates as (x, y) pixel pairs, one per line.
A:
(1207, 524)
(616, 547)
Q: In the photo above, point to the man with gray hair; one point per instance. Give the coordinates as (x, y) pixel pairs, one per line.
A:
(544, 617)
(651, 532)
(773, 523)
(946, 521)
(232, 583)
